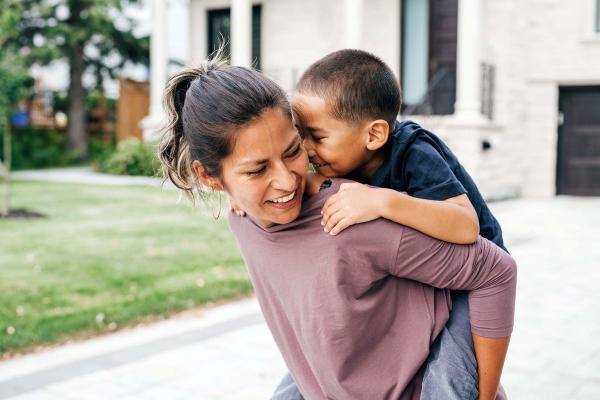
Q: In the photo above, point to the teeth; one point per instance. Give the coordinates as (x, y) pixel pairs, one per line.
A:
(284, 199)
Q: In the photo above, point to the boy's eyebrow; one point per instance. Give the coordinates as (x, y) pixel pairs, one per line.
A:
(252, 162)
(309, 128)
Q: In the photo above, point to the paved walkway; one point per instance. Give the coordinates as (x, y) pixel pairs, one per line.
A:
(227, 353)
(84, 175)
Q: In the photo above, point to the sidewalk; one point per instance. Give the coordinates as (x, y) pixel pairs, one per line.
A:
(227, 352)
(84, 175)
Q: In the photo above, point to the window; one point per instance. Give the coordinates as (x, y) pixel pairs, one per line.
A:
(429, 40)
(597, 16)
(219, 31)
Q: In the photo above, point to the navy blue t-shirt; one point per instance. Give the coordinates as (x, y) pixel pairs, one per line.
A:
(420, 164)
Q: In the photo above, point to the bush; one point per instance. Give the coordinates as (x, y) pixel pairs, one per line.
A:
(132, 157)
(36, 148)
(41, 148)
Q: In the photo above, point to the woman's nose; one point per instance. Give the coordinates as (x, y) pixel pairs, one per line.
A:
(284, 178)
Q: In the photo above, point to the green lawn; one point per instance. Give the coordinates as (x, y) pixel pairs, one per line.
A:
(107, 257)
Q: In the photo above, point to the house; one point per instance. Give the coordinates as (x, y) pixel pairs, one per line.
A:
(512, 86)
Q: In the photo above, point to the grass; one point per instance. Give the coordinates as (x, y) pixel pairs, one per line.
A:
(106, 257)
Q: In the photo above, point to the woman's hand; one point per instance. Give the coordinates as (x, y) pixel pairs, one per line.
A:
(234, 207)
(353, 204)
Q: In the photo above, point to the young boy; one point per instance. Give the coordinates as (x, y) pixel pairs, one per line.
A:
(346, 107)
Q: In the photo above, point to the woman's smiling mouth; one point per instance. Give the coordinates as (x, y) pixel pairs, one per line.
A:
(287, 201)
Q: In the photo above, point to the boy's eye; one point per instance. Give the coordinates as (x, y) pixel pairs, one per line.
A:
(316, 138)
(257, 172)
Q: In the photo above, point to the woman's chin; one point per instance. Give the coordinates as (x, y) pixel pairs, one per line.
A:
(288, 216)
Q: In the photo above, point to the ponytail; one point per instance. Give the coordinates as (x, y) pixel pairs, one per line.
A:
(174, 150)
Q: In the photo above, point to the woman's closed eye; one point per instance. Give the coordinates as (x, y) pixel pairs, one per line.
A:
(257, 172)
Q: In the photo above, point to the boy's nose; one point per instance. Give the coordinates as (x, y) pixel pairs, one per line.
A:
(309, 148)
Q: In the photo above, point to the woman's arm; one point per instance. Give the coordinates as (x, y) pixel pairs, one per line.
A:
(490, 354)
(483, 269)
(488, 273)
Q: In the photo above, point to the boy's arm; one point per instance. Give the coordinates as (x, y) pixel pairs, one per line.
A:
(453, 220)
(434, 204)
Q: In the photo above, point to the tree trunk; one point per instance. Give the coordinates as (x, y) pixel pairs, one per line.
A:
(7, 160)
(76, 132)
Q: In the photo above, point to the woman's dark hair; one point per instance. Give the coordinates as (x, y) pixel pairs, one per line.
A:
(206, 105)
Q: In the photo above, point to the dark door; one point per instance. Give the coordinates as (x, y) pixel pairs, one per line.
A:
(578, 166)
(443, 34)
(219, 31)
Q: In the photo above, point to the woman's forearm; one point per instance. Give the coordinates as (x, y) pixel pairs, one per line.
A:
(490, 354)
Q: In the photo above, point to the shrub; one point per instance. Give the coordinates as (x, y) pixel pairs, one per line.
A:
(132, 157)
(41, 148)
(37, 148)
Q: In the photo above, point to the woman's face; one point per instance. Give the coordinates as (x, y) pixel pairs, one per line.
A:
(265, 175)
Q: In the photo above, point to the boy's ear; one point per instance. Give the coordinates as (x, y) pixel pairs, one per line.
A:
(204, 178)
(378, 132)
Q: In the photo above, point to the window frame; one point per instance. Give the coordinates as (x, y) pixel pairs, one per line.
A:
(225, 12)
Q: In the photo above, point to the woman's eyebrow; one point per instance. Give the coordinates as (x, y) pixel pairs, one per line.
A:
(255, 162)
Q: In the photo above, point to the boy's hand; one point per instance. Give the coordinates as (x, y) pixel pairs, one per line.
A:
(234, 207)
(352, 204)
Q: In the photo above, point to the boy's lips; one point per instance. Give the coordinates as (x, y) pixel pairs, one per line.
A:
(317, 164)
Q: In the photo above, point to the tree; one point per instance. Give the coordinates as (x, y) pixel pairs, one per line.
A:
(93, 36)
(14, 81)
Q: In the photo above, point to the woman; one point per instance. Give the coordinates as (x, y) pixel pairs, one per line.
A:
(354, 316)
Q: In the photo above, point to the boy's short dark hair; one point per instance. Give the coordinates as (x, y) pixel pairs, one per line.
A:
(355, 84)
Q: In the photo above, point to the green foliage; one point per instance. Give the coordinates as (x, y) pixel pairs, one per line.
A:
(56, 29)
(35, 148)
(51, 30)
(132, 157)
(38, 148)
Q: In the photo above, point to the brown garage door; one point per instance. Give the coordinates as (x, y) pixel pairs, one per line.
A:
(578, 167)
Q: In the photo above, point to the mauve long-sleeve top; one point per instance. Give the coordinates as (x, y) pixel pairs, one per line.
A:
(354, 315)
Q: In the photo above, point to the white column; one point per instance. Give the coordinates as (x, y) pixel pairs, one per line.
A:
(353, 12)
(241, 32)
(197, 31)
(158, 69)
(468, 68)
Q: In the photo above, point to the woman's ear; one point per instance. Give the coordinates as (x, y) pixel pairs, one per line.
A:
(378, 133)
(204, 178)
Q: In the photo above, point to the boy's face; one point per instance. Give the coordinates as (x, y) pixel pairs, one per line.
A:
(335, 148)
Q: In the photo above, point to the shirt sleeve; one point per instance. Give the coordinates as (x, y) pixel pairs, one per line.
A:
(427, 173)
(486, 271)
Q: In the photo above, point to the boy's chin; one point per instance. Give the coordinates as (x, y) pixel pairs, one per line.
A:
(325, 171)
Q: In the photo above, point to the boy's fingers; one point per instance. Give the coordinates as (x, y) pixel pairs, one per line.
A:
(331, 210)
(333, 220)
(328, 203)
(343, 224)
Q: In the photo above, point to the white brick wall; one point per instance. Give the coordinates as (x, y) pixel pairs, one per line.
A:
(535, 45)
(549, 46)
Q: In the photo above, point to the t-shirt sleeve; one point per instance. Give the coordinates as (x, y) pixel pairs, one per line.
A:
(486, 271)
(427, 173)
